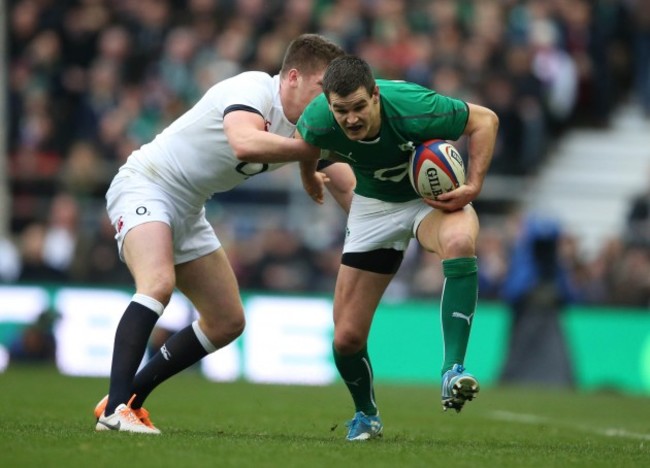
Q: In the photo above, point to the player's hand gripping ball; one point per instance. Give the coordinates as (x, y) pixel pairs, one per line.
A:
(436, 167)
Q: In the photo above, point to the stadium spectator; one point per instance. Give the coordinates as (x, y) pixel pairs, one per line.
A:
(34, 268)
(36, 342)
(493, 261)
(224, 58)
(102, 266)
(641, 18)
(64, 238)
(176, 65)
(538, 286)
(101, 96)
(583, 35)
(10, 262)
(286, 264)
(554, 67)
(83, 172)
(630, 277)
(629, 280)
(638, 217)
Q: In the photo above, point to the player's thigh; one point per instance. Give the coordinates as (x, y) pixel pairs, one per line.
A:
(148, 252)
(449, 234)
(357, 295)
(210, 284)
(142, 214)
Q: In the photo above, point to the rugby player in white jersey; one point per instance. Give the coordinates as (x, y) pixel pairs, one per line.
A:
(241, 127)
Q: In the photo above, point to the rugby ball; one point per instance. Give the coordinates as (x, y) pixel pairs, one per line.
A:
(436, 167)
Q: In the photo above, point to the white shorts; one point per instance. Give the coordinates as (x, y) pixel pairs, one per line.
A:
(132, 200)
(375, 224)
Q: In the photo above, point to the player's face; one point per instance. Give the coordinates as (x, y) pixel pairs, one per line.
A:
(357, 113)
(309, 86)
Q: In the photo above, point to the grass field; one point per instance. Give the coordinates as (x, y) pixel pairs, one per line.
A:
(46, 420)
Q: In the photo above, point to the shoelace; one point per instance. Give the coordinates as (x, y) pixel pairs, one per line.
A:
(354, 422)
(143, 415)
(358, 420)
(129, 414)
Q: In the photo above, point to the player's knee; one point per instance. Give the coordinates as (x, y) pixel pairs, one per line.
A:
(223, 329)
(159, 286)
(349, 341)
(235, 327)
(458, 245)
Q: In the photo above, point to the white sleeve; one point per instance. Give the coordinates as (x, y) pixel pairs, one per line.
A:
(246, 92)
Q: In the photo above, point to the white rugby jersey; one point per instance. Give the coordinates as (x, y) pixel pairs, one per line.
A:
(192, 157)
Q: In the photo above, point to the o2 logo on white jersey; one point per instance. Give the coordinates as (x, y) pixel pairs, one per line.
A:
(250, 169)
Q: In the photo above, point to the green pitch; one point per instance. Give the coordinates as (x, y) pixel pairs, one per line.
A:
(46, 421)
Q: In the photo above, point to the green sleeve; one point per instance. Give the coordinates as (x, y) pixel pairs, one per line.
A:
(421, 113)
(316, 122)
(452, 115)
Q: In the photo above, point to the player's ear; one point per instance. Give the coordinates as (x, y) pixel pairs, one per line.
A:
(293, 76)
(375, 94)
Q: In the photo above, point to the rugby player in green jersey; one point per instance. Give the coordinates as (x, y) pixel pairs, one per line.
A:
(374, 125)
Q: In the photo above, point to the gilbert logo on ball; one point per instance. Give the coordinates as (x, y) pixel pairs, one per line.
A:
(436, 167)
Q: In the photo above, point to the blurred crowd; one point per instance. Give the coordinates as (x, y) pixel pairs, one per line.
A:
(91, 80)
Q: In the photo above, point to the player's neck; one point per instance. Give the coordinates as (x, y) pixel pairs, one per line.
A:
(375, 128)
(289, 106)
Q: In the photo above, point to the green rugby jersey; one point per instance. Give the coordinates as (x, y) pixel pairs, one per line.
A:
(410, 115)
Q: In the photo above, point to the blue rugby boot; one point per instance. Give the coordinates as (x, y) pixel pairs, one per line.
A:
(458, 387)
(363, 427)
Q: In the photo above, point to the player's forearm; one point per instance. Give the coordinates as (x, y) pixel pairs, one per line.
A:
(308, 167)
(265, 147)
(312, 181)
(480, 156)
(482, 132)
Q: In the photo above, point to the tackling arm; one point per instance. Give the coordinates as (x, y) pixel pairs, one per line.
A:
(252, 143)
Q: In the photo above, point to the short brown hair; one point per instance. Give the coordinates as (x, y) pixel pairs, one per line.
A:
(309, 53)
(346, 74)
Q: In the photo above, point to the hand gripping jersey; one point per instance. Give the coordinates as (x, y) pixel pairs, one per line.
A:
(192, 157)
(410, 115)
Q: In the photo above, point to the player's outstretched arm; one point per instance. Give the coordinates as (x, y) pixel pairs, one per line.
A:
(251, 142)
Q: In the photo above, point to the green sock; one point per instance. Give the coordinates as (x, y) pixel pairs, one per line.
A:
(356, 372)
(457, 308)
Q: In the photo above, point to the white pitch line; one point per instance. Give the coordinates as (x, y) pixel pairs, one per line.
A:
(533, 419)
